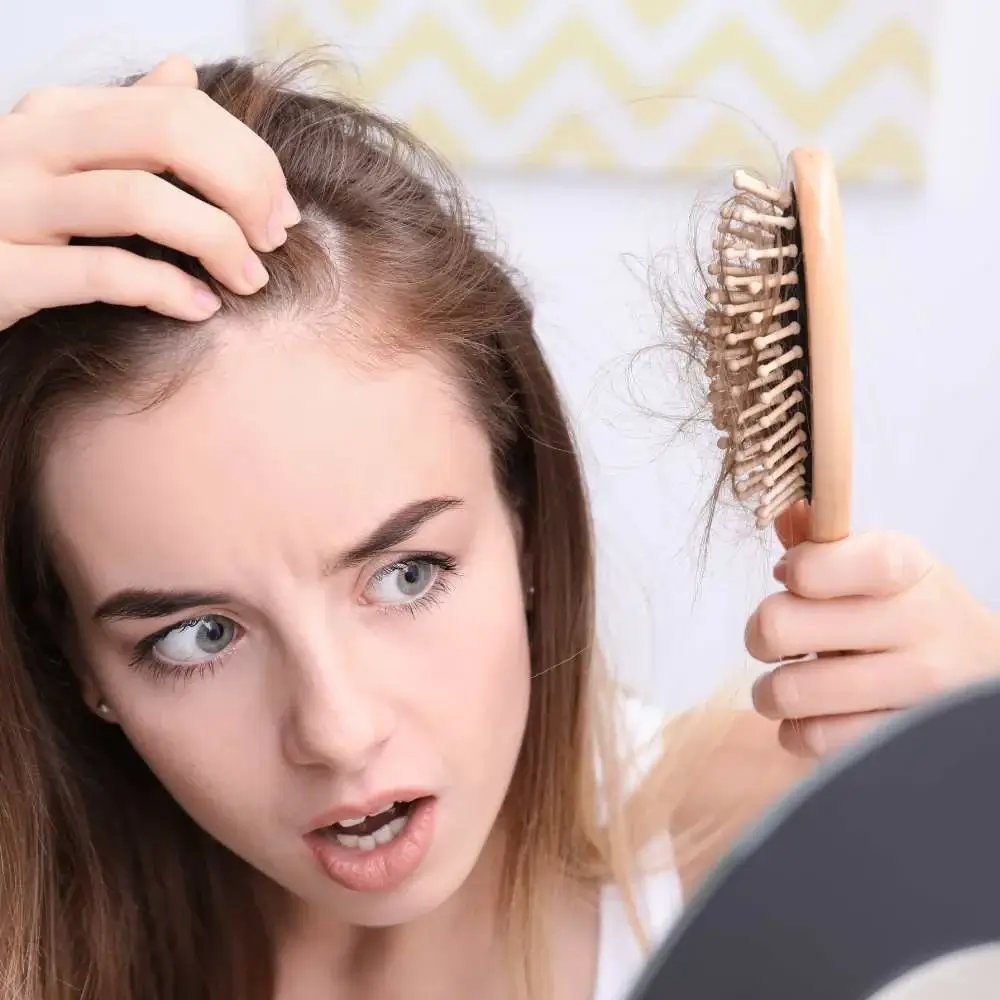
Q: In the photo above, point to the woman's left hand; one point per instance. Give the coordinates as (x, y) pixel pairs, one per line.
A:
(907, 629)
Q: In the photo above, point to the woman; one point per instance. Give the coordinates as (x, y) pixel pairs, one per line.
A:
(300, 690)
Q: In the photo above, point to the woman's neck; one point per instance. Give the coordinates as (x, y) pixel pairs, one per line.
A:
(449, 953)
(452, 953)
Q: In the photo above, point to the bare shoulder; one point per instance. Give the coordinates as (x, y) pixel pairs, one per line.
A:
(731, 777)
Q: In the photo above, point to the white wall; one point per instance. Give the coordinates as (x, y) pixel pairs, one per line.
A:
(923, 275)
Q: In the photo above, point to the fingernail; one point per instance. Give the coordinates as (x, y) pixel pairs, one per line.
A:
(206, 303)
(288, 212)
(780, 570)
(276, 234)
(255, 273)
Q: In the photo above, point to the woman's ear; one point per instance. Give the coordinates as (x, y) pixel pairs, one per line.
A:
(94, 699)
(90, 691)
(70, 648)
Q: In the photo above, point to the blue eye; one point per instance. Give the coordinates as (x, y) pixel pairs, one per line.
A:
(196, 641)
(405, 582)
(198, 646)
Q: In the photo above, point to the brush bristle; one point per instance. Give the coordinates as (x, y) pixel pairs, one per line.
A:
(756, 358)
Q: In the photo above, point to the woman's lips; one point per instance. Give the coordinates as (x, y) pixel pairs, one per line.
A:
(395, 856)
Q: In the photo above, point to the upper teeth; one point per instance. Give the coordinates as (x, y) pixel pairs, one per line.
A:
(358, 820)
(381, 836)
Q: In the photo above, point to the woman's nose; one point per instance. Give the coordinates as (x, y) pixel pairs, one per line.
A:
(335, 719)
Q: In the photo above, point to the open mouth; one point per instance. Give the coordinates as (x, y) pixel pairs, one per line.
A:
(377, 852)
(365, 833)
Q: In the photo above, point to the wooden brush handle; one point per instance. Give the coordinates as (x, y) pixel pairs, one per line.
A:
(829, 343)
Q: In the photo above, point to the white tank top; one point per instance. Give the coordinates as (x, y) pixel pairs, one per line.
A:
(620, 957)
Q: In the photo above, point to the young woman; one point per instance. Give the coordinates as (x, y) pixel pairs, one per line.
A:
(301, 694)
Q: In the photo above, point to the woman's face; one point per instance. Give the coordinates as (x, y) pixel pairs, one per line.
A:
(298, 590)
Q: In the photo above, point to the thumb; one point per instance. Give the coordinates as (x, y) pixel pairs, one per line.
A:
(792, 527)
(174, 71)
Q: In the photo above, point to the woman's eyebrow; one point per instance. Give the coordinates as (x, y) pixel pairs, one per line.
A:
(143, 603)
(397, 528)
(136, 602)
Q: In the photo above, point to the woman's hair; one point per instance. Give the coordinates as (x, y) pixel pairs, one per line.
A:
(108, 889)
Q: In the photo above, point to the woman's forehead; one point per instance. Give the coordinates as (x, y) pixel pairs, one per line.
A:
(262, 438)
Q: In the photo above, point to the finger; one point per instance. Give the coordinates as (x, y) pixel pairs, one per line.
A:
(868, 565)
(56, 99)
(128, 203)
(792, 527)
(174, 71)
(845, 685)
(821, 737)
(786, 626)
(41, 277)
(171, 129)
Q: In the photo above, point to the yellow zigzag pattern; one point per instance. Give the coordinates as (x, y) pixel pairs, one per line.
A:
(500, 98)
(651, 13)
(429, 36)
(654, 13)
(501, 12)
(887, 147)
(813, 15)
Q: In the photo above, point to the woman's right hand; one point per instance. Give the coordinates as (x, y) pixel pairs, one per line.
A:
(82, 161)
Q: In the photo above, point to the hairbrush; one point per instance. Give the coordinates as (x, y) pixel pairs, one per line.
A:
(777, 339)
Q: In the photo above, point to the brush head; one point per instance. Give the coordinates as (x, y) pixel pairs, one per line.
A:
(776, 359)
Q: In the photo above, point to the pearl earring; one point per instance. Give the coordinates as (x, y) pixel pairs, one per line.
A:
(103, 709)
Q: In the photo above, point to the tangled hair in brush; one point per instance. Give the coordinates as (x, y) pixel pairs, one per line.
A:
(707, 301)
